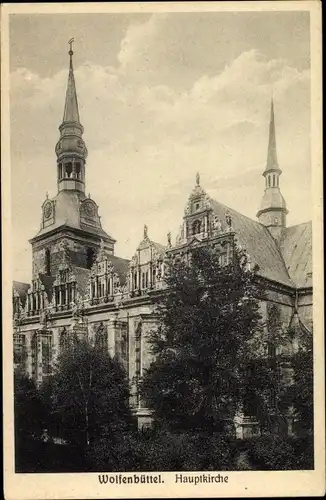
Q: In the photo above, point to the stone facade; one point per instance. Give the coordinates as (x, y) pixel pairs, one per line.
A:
(80, 288)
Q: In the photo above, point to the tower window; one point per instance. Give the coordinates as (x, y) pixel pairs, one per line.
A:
(274, 183)
(47, 262)
(68, 169)
(90, 258)
(60, 170)
(269, 181)
(78, 170)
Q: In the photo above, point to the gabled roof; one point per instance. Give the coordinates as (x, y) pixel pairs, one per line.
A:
(257, 240)
(146, 243)
(121, 266)
(48, 284)
(21, 288)
(296, 247)
(82, 277)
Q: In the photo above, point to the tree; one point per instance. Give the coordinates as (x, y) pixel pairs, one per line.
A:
(29, 414)
(267, 396)
(208, 317)
(302, 388)
(89, 396)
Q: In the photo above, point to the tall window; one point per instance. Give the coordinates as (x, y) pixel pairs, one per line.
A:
(269, 181)
(47, 262)
(274, 183)
(60, 170)
(78, 172)
(34, 348)
(68, 169)
(46, 354)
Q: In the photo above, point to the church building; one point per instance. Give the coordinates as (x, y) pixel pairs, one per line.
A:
(79, 287)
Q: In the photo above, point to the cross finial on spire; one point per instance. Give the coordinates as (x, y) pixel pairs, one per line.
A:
(197, 179)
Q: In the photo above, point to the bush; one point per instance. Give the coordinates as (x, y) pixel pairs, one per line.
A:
(168, 451)
(272, 452)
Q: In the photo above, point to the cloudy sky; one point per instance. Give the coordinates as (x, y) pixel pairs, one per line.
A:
(161, 97)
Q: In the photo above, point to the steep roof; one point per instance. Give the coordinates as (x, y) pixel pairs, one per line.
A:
(71, 113)
(258, 242)
(296, 248)
(48, 284)
(121, 267)
(82, 277)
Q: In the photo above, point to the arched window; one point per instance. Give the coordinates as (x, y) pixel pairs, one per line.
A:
(78, 173)
(68, 169)
(90, 257)
(269, 181)
(196, 227)
(274, 183)
(47, 262)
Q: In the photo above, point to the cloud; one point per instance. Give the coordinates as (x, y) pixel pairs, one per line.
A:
(147, 139)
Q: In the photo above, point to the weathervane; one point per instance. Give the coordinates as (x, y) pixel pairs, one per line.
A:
(70, 43)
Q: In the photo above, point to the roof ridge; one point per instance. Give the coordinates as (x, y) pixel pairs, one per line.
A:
(300, 224)
(239, 213)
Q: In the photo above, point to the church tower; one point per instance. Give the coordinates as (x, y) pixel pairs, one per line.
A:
(71, 229)
(71, 149)
(273, 211)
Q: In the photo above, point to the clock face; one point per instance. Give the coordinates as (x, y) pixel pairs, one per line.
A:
(276, 220)
(89, 209)
(48, 210)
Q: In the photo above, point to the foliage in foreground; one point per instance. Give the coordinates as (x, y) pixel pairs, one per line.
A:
(209, 318)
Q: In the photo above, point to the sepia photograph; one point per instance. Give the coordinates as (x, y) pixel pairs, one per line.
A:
(162, 275)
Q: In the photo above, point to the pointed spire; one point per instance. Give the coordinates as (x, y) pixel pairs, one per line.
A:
(71, 113)
(272, 162)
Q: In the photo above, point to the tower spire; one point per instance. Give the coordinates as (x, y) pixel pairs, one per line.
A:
(71, 149)
(71, 113)
(273, 211)
(272, 162)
